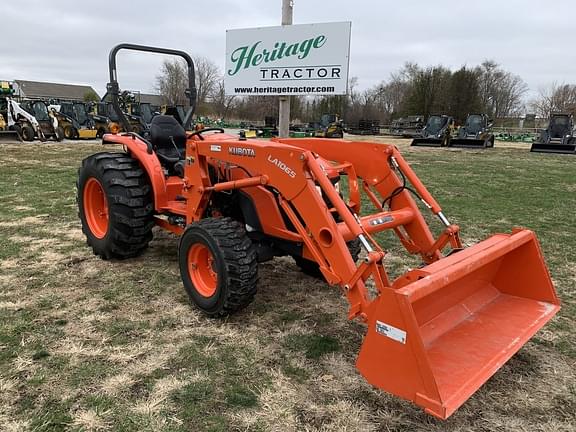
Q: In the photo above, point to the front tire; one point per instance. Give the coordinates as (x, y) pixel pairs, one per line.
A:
(115, 205)
(218, 265)
(27, 132)
(59, 133)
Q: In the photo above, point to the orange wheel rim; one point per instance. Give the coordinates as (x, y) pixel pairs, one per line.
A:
(96, 208)
(201, 270)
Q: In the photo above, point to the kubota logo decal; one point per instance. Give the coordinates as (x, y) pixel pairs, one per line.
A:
(242, 151)
(282, 166)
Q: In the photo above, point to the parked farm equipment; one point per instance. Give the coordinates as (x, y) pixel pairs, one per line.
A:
(508, 136)
(476, 133)
(435, 334)
(436, 133)
(330, 126)
(31, 120)
(558, 137)
(8, 130)
(82, 126)
(408, 127)
(98, 115)
(365, 127)
(41, 120)
(6, 133)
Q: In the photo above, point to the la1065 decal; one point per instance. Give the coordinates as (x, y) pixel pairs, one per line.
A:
(282, 166)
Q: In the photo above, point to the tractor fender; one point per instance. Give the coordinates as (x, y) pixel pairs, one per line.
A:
(149, 162)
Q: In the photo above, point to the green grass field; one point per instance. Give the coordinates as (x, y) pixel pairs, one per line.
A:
(87, 344)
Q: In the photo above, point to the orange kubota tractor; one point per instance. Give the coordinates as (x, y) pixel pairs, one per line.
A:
(434, 335)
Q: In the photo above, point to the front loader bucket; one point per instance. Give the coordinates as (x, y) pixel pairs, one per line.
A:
(10, 135)
(427, 142)
(87, 133)
(468, 143)
(445, 329)
(553, 148)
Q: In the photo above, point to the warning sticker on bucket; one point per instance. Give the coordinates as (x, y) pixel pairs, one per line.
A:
(391, 332)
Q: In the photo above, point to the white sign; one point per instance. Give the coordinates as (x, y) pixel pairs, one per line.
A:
(306, 59)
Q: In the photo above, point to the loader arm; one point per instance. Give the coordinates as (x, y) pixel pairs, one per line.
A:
(381, 167)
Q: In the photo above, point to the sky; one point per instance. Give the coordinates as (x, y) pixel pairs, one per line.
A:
(68, 41)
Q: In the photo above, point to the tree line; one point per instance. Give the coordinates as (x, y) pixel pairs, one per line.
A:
(412, 90)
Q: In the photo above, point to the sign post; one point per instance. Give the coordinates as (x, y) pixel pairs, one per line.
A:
(284, 104)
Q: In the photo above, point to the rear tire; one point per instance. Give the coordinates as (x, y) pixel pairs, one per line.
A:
(115, 205)
(218, 265)
(27, 132)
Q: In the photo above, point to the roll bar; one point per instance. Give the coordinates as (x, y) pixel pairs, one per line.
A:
(113, 89)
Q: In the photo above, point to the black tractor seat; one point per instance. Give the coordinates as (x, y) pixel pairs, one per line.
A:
(168, 139)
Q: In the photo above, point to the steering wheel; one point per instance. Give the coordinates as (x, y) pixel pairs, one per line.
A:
(201, 131)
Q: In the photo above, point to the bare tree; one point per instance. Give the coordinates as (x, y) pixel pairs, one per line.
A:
(172, 82)
(501, 92)
(391, 97)
(256, 108)
(429, 91)
(207, 79)
(554, 98)
(222, 103)
(353, 95)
